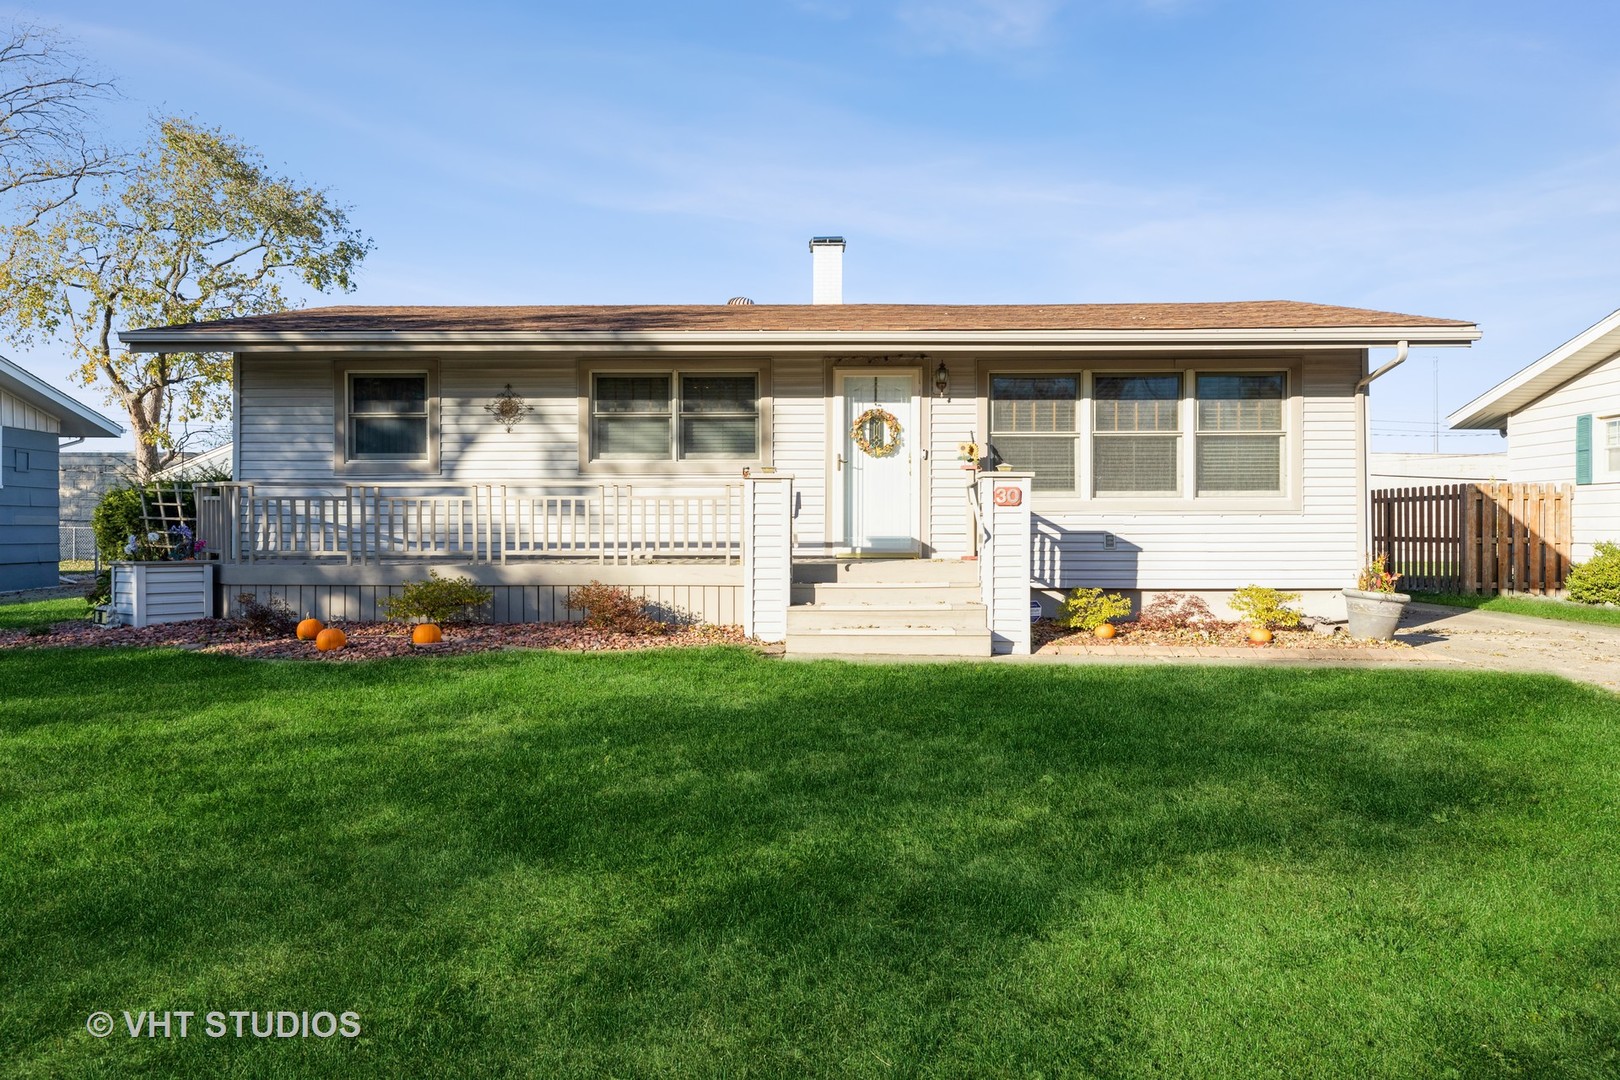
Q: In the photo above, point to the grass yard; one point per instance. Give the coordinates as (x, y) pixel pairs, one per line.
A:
(42, 612)
(1525, 605)
(707, 863)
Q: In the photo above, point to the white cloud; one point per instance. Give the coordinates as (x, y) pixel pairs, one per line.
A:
(978, 26)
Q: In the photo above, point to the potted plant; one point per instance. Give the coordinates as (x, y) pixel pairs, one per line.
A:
(1373, 605)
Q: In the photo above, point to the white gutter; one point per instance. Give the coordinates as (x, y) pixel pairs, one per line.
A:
(1400, 358)
(161, 339)
(1363, 512)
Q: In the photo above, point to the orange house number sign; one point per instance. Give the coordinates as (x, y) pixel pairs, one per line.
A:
(1007, 496)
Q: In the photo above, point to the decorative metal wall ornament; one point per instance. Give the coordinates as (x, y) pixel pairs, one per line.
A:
(508, 408)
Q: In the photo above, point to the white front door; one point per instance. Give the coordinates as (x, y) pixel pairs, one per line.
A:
(879, 496)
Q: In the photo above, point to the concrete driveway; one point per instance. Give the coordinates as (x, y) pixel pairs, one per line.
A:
(1489, 640)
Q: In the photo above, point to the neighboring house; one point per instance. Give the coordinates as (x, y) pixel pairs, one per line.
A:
(211, 463)
(1406, 470)
(1191, 447)
(1561, 416)
(34, 418)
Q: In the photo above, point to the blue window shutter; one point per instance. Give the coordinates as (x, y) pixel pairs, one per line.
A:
(1583, 448)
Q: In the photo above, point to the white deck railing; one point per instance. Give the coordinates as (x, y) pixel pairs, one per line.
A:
(612, 523)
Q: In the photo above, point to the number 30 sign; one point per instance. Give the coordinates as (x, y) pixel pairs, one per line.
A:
(1007, 496)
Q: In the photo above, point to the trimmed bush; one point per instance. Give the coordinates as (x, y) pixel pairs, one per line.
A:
(1177, 611)
(1087, 609)
(612, 608)
(1265, 608)
(115, 519)
(438, 600)
(1597, 580)
(264, 618)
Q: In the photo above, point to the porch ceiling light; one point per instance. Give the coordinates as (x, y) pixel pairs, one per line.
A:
(942, 380)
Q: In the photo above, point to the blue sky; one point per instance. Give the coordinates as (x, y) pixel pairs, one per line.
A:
(1441, 158)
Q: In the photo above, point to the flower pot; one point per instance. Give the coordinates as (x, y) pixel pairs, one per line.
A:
(1374, 614)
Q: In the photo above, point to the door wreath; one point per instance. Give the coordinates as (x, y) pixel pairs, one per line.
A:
(877, 433)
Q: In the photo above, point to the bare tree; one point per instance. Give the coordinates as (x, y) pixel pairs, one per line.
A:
(46, 96)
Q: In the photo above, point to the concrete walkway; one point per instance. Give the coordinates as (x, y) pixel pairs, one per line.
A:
(1439, 637)
(1492, 641)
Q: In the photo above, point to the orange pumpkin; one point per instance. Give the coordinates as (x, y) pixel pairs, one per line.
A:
(1106, 630)
(426, 634)
(309, 628)
(1260, 636)
(331, 639)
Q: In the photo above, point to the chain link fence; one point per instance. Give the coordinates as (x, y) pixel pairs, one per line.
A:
(77, 543)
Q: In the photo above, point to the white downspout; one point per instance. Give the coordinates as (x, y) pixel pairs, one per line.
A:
(1363, 510)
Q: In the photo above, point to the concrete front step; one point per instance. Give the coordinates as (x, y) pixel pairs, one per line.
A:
(937, 616)
(886, 593)
(888, 642)
(880, 571)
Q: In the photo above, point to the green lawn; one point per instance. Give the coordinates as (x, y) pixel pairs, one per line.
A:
(41, 613)
(708, 863)
(1525, 605)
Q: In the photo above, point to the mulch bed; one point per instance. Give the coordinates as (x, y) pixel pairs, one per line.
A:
(367, 641)
(1056, 636)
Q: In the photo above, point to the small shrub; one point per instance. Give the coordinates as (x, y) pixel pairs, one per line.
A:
(99, 590)
(438, 600)
(115, 519)
(612, 608)
(264, 618)
(1177, 611)
(1597, 580)
(1265, 608)
(1376, 577)
(1087, 609)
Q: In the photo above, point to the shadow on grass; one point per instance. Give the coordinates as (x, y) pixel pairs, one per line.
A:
(692, 863)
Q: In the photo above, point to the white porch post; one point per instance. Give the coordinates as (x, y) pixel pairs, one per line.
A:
(767, 539)
(1004, 559)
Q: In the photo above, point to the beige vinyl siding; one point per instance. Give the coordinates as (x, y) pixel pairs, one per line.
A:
(1313, 546)
(1541, 449)
(951, 423)
(16, 413)
(287, 429)
(285, 423)
(800, 444)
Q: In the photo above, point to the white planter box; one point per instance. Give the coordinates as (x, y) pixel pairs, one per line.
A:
(144, 594)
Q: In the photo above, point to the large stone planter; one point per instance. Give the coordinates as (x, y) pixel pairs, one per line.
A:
(1374, 614)
(161, 592)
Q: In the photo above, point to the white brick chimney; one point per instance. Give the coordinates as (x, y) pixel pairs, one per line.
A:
(827, 270)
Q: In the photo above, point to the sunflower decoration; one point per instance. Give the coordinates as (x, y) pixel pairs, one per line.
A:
(877, 433)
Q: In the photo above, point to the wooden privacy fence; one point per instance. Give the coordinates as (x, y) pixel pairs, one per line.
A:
(1475, 538)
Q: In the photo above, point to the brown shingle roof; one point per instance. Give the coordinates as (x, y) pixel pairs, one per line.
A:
(828, 318)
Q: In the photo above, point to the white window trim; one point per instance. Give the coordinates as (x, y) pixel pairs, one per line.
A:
(1282, 433)
(343, 462)
(675, 465)
(1088, 449)
(1606, 440)
(1291, 365)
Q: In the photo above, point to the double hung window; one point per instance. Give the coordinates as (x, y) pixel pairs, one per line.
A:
(1136, 434)
(388, 417)
(1240, 433)
(669, 416)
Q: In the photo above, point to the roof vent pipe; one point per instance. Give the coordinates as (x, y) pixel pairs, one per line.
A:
(827, 270)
